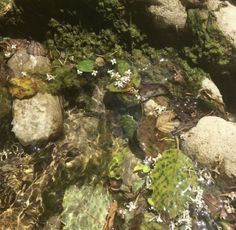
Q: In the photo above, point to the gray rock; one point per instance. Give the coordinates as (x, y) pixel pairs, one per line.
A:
(22, 62)
(212, 142)
(37, 119)
(168, 14)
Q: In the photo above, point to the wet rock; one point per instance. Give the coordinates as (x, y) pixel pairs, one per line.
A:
(168, 14)
(37, 119)
(225, 14)
(212, 142)
(23, 62)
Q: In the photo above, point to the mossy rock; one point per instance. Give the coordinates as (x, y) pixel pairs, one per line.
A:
(210, 45)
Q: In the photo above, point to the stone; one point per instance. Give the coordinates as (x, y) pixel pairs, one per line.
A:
(168, 14)
(37, 119)
(225, 14)
(212, 143)
(22, 63)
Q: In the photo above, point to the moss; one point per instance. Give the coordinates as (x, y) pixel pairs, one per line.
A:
(5, 102)
(210, 45)
(129, 125)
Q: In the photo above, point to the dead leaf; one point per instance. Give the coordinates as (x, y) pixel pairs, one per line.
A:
(111, 216)
(165, 122)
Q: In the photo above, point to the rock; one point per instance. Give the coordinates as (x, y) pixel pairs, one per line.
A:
(210, 93)
(212, 142)
(37, 119)
(22, 62)
(168, 14)
(225, 14)
(193, 3)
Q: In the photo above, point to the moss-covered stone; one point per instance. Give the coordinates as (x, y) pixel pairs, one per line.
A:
(210, 45)
(5, 103)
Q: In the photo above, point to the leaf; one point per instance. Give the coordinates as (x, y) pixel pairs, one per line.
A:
(172, 179)
(122, 66)
(86, 65)
(142, 167)
(164, 122)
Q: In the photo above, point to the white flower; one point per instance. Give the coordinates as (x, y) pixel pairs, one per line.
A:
(24, 74)
(128, 72)
(79, 72)
(110, 71)
(94, 73)
(162, 60)
(7, 54)
(131, 206)
(72, 58)
(50, 77)
(119, 84)
(13, 46)
(116, 76)
(125, 79)
(113, 61)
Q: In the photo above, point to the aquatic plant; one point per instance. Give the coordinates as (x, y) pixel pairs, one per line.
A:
(173, 181)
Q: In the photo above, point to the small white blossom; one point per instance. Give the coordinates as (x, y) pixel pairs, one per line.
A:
(113, 61)
(186, 220)
(94, 73)
(79, 72)
(128, 72)
(125, 79)
(119, 84)
(7, 54)
(24, 74)
(50, 77)
(110, 71)
(13, 46)
(72, 58)
(131, 206)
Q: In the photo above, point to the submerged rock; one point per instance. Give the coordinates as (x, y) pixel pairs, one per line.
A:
(37, 119)
(168, 14)
(212, 142)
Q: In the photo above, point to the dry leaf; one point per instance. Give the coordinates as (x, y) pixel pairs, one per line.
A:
(165, 122)
(111, 216)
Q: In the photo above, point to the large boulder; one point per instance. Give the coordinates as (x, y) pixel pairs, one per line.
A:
(212, 142)
(37, 119)
(168, 14)
(225, 14)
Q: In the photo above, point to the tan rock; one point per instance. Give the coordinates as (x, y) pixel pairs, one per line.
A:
(212, 142)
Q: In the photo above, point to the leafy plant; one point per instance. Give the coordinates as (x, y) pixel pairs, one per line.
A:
(173, 179)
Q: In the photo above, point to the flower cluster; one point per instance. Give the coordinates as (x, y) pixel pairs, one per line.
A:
(121, 81)
(10, 50)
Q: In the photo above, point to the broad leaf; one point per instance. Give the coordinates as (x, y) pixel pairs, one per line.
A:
(86, 65)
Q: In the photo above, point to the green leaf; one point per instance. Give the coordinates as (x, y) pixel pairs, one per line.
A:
(142, 167)
(172, 179)
(122, 66)
(86, 65)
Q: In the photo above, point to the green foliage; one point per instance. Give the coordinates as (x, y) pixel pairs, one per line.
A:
(115, 12)
(173, 177)
(115, 167)
(210, 45)
(122, 66)
(129, 125)
(142, 167)
(86, 66)
(85, 207)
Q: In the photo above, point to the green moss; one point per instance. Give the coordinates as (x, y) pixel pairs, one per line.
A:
(173, 179)
(210, 45)
(129, 125)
